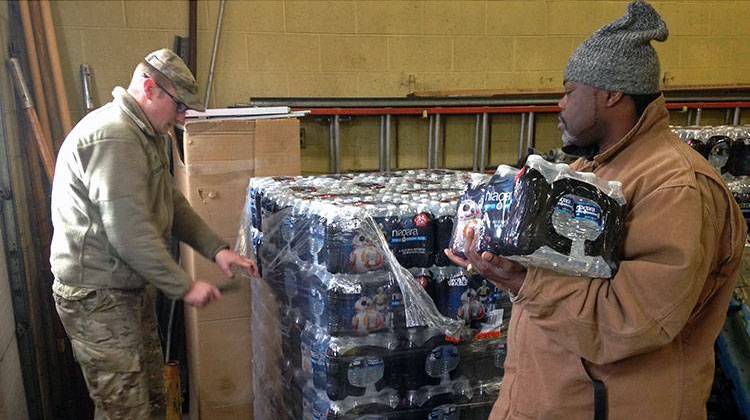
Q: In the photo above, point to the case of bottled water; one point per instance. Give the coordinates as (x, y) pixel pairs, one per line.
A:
(545, 215)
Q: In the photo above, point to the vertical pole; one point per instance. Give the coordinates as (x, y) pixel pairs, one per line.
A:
(337, 144)
(436, 146)
(531, 132)
(430, 133)
(381, 149)
(521, 136)
(214, 50)
(387, 145)
(736, 118)
(332, 145)
(475, 156)
(698, 115)
(485, 142)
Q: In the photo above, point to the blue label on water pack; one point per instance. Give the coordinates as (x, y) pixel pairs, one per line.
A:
(586, 209)
(442, 360)
(363, 371)
(498, 194)
(566, 205)
(410, 237)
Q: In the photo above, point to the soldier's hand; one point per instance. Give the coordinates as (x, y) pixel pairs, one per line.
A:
(226, 259)
(201, 293)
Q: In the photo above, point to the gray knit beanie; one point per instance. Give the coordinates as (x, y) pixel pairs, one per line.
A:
(619, 57)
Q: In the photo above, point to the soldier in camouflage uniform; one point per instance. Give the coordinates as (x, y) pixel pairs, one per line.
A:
(114, 210)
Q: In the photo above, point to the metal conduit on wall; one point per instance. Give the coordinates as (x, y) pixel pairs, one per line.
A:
(437, 109)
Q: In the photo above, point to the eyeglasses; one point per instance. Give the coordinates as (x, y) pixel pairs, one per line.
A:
(181, 107)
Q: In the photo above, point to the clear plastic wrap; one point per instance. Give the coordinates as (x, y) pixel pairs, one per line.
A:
(546, 215)
(727, 148)
(358, 313)
(567, 221)
(740, 189)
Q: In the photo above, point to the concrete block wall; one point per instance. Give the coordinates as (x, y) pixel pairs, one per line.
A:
(369, 48)
(12, 396)
(391, 48)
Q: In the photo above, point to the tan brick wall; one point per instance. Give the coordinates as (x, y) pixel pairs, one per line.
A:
(372, 48)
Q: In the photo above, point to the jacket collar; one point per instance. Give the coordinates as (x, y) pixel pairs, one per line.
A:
(655, 117)
(130, 107)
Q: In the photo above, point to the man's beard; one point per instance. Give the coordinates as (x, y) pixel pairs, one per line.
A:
(575, 146)
(567, 139)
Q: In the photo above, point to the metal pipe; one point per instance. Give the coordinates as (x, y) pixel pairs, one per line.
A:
(213, 52)
(736, 117)
(727, 116)
(381, 149)
(397, 102)
(193, 37)
(485, 142)
(521, 136)
(331, 146)
(698, 115)
(88, 101)
(337, 143)
(689, 117)
(531, 131)
(436, 148)
(430, 145)
(475, 156)
(387, 148)
(539, 100)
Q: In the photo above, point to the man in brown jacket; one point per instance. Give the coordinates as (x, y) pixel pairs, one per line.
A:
(638, 345)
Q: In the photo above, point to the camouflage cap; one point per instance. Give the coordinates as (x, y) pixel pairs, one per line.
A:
(174, 69)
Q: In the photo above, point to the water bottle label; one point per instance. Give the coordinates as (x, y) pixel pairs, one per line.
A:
(468, 214)
(497, 200)
(566, 206)
(365, 256)
(369, 316)
(577, 216)
(588, 210)
(411, 238)
(442, 360)
(364, 371)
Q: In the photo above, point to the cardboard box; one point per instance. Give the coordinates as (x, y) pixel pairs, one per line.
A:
(233, 304)
(213, 166)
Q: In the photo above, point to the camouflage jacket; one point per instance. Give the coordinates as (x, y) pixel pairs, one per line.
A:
(114, 206)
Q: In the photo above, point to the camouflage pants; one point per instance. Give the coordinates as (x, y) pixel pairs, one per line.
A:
(114, 339)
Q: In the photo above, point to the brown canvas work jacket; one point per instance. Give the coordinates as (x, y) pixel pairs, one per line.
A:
(645, 336)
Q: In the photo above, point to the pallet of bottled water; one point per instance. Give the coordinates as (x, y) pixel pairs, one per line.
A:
(359, 314)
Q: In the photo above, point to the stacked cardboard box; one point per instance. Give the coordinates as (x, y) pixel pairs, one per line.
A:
(212, 168)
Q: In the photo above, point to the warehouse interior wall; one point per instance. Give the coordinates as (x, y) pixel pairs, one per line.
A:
(12, 396)
(392, 48)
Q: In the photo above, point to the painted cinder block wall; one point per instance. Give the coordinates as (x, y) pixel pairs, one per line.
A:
(374, 48)
(12, 394)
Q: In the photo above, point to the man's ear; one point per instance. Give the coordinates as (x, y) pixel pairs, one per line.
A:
(613, 98)
(148, 88)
